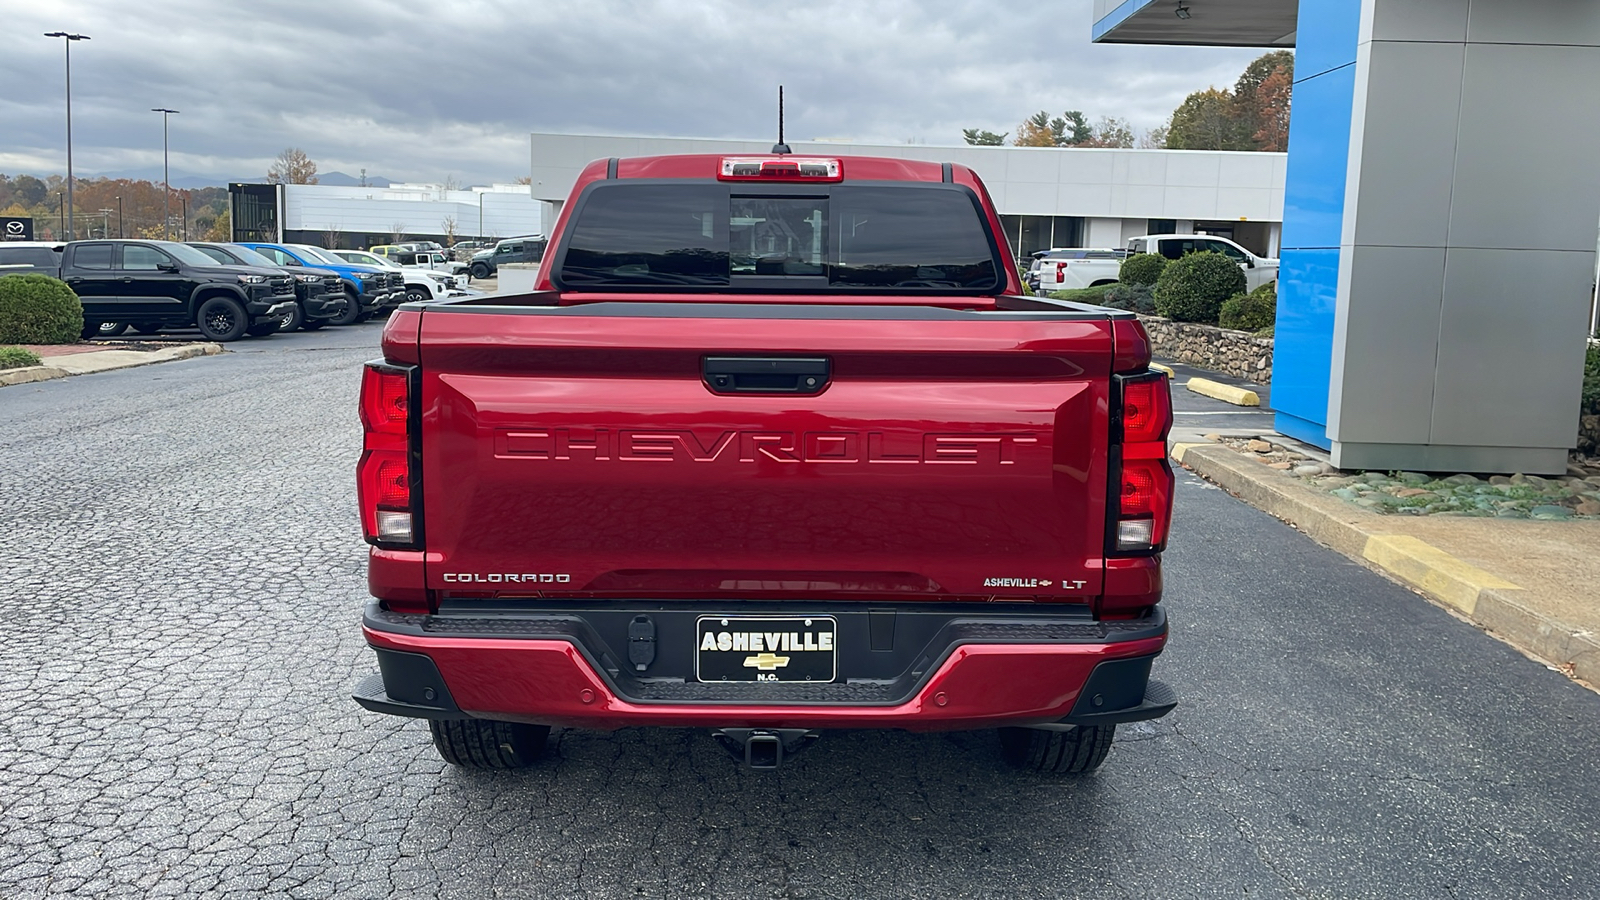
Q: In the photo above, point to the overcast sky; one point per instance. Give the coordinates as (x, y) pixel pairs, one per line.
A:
(418, 91)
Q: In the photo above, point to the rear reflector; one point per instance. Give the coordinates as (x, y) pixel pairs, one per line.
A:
(780, 168)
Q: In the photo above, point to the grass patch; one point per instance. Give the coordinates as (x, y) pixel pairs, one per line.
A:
(17, 357)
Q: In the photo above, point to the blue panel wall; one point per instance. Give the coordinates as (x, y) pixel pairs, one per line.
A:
(1313, 215)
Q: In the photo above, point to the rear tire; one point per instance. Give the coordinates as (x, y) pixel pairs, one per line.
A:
(483, 744)
(479, 270)
(1074, 752)
(91, 330)
(222, 319)
(111, 329)
(416, 294)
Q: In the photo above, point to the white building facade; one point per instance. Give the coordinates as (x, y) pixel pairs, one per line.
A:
(1047, 197)
(359, 217)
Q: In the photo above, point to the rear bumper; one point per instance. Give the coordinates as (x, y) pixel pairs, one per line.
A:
(961, 671)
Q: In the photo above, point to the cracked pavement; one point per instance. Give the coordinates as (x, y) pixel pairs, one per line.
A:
(182, 583)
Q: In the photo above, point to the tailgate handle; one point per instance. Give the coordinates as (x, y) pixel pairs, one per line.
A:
(766, 374)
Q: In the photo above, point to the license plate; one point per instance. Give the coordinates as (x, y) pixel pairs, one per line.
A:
(766, 648)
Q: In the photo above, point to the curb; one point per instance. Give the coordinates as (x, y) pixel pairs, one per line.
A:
(1227, 393)
(30, 374)
(1485, 599)
(108, 361)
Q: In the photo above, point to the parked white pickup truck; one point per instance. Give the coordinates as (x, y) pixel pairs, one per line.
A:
(1258, 270)
(1097, 267)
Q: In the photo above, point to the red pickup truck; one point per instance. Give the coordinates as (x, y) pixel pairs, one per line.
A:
(776, 445)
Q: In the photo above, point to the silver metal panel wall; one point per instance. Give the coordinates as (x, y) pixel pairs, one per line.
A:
(1468, 247)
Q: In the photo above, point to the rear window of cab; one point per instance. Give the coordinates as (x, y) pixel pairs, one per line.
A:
(866, 237)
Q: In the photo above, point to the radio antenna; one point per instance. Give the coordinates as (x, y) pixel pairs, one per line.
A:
(780, 146)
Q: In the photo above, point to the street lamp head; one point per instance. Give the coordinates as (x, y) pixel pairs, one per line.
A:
(68, 36)
(161, 110)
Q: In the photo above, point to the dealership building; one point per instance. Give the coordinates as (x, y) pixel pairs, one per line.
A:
(355, 217)
(1047, 197)
(1441, 214)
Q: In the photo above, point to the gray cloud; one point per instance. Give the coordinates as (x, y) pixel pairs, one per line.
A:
(421, 90)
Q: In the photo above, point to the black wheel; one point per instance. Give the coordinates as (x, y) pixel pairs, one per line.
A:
(479, 270)
(147, 328)
(91, 330)
(352, 310)
(292, 320)
(264, 329)
(416, 294)
(1074, 752)
(312, 324)
(222, 319)
(111, 329)
(482, 744)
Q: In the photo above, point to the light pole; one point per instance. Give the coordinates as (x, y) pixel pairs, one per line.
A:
(120, 232)
(69, 39)
(166, 184)
(105, 223)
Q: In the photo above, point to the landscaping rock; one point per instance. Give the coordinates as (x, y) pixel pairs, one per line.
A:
(1307, 471)
(1280, 466)
(1587, 507)
(1499, 479)
(1550, 512)
(1413, 478)
(1408, 493)
(1462, 480)
(1258, 446)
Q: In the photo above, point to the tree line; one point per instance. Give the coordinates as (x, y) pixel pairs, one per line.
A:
(114, 207)
(1254, 115)
(126, 207)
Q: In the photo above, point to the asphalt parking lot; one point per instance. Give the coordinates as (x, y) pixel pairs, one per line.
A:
(183, 581)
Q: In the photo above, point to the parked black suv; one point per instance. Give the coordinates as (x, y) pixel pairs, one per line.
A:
(519, 250)
(155, 284)
(319, 294)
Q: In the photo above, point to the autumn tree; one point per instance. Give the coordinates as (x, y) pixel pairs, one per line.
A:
(981, 138)
(1272, 118)
(1111, 132)
(1207, 120)
(292, 166)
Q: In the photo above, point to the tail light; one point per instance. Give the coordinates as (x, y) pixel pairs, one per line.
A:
(386, 478)
(1142, 481)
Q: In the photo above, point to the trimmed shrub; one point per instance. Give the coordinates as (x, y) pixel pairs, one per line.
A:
(17, 357)
(1131, 297)
(1093, 295)
(1142, 268)
(1192, 289)
(38, 309)
(1250, 312)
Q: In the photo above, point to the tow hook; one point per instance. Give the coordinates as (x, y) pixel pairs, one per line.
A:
(764, 748)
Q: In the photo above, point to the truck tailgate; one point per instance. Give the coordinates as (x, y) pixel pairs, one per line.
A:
(578, 451)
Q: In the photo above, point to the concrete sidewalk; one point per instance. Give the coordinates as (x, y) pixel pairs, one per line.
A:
(1533, 584)
(75, 359)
